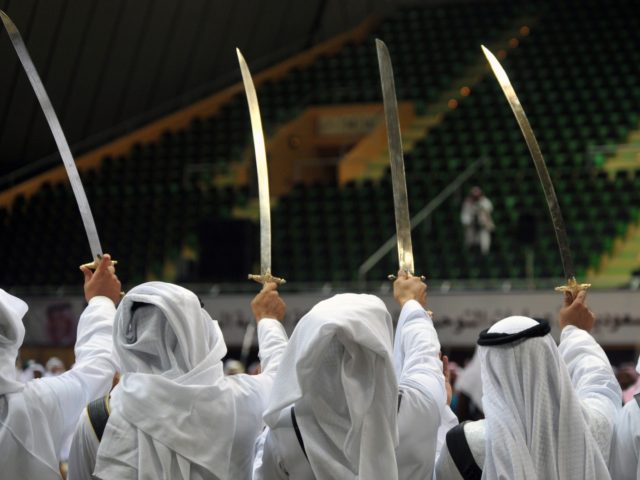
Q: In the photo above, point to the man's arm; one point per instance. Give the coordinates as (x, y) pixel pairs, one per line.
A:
(590, 370)
(66, 395)
(269, 309)
(421, 381)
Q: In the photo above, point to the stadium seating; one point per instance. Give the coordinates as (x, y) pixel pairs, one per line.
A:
(576, 75)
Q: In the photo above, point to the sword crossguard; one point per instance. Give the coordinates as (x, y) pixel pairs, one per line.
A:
(94, 264)
(573, 286)
(422, 278)
(393, 277)
(267, 278)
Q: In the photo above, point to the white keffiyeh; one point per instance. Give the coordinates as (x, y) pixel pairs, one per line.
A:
(338, 372)
(535, 423)
(172, 414)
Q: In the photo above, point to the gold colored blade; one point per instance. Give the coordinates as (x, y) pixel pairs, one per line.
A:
(398, 180)
(538, 160)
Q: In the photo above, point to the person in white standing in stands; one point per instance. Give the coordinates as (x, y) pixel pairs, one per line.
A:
(477, 221)
(38, 417)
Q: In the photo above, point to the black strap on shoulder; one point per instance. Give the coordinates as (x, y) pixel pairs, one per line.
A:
(461, 453)
(298, 433)
(637, 397)
(399, 400)
(98, 412)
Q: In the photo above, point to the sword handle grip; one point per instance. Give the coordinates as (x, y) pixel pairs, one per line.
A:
(422, 278)
(94, 264)
(573, 287)
(267, 278)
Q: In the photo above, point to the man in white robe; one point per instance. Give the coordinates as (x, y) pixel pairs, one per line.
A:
(344, 405)
(37, 418)
(624, 462)
(174, 415)
(549, 410)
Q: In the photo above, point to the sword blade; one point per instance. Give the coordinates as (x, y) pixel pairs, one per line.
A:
(538, 160)
(56, 129)
(398, 180)
(262, 169)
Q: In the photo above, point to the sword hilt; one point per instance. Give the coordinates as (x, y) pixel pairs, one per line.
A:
(422, 278)
(94, 264)
(393, 277)
(267, 278)
(573, 286)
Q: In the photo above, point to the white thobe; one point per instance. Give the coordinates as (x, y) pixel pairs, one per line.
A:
(625, 447)
(422, 404)
(47, 409)
(250, 394)
(595, 384)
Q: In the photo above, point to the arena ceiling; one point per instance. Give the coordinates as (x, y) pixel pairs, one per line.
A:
(111, 65)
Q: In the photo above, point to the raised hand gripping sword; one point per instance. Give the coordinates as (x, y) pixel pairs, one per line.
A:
(263, 176)
(61, 141)
(398, 179)
(547, 185)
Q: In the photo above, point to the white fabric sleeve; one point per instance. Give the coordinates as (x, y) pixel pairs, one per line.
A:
(92, 374)
(594, 382)
(272, 339)
(82, 457)
(417, 353)
(422, 391)
(625, 447)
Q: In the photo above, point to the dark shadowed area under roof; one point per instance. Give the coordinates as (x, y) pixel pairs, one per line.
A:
(112, 65)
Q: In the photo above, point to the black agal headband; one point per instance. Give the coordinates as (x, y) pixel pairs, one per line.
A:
(487, 339)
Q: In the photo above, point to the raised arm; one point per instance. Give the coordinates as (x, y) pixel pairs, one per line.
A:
(421, 381)
(269, 309)
(590, 370)
(65, 396)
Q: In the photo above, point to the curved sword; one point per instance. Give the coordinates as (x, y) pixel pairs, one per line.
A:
(545, 180)
(396, 158)
(61, 141)
(263, 176)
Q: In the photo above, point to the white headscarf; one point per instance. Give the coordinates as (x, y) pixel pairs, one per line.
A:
(535, 425)
(338, 371)
(12, 309)
(172, 405)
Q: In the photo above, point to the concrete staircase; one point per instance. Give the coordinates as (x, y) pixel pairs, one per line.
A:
(625, 156)
(615, 268)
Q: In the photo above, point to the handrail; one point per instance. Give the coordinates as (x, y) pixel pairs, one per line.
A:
(418, 218)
